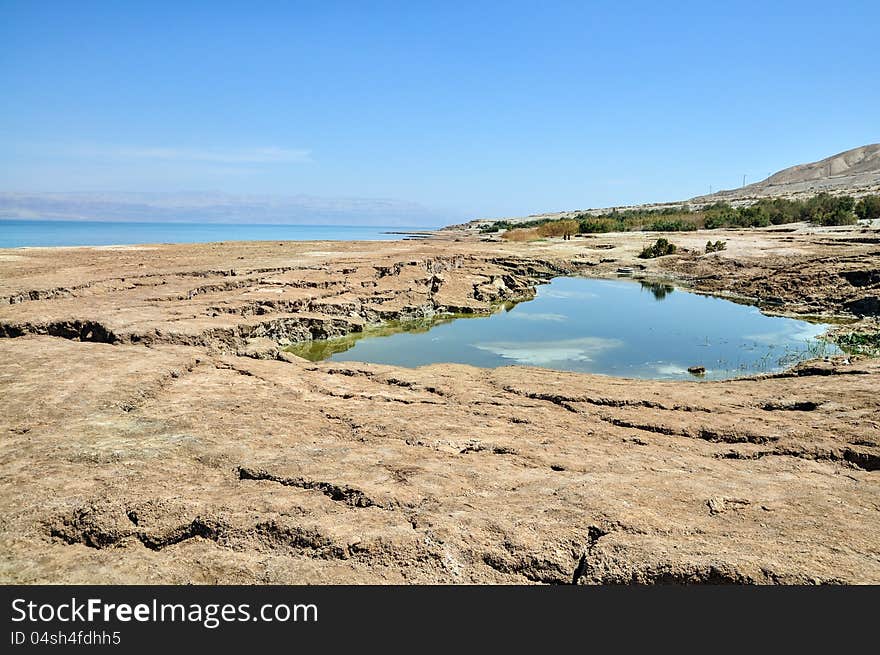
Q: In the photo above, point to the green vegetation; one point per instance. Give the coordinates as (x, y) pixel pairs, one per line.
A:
(868, 208)
(718, 246)
(661, 248)
(507, 225)
(821, 209)
(859, 343)
(672, 225)
(319, 349)
(668, 219)
(600, 224)
(825, 209)
(497, 226)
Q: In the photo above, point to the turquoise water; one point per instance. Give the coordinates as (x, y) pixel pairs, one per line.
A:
(610, 327)
(17, 233)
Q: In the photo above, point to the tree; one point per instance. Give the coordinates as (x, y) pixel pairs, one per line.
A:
(562, 228)
(569, 228)
(825, 209)
(868, 208)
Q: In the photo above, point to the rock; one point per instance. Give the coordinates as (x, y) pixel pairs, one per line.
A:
(140, 447)
(720, 504)
(259, 348)
(290, 358)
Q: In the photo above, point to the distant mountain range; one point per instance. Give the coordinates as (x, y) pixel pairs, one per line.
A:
(855, 171)
(217, 208)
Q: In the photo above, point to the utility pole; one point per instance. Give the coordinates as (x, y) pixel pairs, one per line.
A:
(744, 179)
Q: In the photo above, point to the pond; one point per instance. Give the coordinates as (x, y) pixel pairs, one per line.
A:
(611, 327)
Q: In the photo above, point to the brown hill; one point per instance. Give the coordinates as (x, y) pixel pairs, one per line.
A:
(855, 171)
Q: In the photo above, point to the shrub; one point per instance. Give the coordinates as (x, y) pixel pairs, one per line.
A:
(569, 228)
(492, 227)
(562, 228)
(868, 208)
(521, 234)
(672, 225)
(718, 246)
(719, 214)
(781, 211)
(825, 209)
(659, 249)
(859, 343)
(591, 225)
(752, 216)
(822, 209)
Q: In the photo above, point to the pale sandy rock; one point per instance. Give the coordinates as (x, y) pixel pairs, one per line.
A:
(148, 436)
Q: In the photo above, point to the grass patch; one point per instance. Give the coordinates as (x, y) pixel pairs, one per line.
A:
(859, 343)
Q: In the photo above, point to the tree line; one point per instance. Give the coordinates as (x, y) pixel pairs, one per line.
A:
(821, 209)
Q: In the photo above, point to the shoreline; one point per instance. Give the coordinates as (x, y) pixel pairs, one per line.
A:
(833, 324)
(23, 233)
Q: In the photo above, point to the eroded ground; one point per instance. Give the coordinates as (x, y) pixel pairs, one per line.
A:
(153, 431)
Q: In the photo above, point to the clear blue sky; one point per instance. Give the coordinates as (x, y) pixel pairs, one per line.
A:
(475, 108)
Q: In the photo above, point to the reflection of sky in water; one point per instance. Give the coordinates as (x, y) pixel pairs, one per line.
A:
(806, 332)
(568, 293)
(524, 316)
(547, 353)
(611, 327)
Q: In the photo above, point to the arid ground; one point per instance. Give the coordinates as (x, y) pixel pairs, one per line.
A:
(154, 432)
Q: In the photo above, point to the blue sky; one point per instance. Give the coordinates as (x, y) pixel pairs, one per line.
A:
(471, 108)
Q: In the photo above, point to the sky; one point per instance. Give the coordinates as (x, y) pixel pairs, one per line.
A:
(471, 109)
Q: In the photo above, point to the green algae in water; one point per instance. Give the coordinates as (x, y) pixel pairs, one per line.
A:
(610, 327)
(321, 349)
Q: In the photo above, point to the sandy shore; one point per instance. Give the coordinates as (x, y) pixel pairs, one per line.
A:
(154, 432)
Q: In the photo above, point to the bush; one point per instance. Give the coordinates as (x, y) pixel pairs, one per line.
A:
(868, 208)
(822, 209)
(752, 216)
(522, 234)
(781, 211)
(718, 246)
(592, 225)
(720, 214)
(498, 226)
(562, 228)
(659, 249)
(859, 343)
(672, 225)
(825, 209)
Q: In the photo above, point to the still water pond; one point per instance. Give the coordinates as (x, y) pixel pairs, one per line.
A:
(621, 328)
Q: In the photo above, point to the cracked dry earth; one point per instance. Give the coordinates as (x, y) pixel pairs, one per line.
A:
(153, 432)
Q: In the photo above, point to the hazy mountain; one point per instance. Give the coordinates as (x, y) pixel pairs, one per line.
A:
(216, 208)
